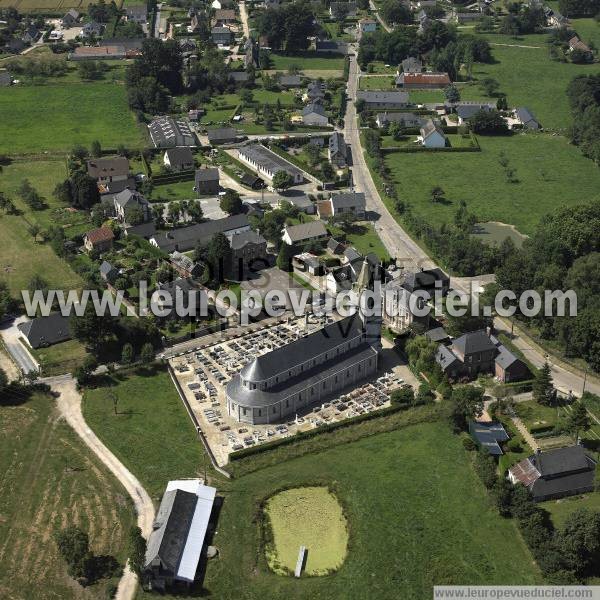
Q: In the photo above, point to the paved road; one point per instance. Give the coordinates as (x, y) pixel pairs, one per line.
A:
(244, 19)
(69, 405)
(20, 354)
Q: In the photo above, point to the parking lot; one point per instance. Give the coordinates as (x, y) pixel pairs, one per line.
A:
(204, 373)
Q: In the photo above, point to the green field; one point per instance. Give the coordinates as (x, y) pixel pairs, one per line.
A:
(310, 517)
(550, 172)
(51, 480)
(560, 509)
(38, 119)
(307, 61)
(364, 238)
(60, 358)
(149, 411)
(45, 6)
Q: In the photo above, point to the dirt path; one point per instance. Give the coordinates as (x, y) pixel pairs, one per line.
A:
(69, 406)
(513, 45)
(8, 366)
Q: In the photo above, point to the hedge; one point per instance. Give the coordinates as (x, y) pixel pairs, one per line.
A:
(173, 177)
(516, 387)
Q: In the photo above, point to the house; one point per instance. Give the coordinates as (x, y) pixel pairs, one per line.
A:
(206, 181)
(476, 352)
(98, 240)
(128, 200)
(383, 100)
(406, 119)
(168, 132)
(553, 474)
(179, 159)
(422, 81)
(302, 202)
(398, 314)
(91, 29)
(187, 238)
(70, 18)
(350, 8)
(267, 163)
(5, 79)
(331, 46)
(187, 44)
(424, 21)
(315, 114)
(99, 53)
(178, 536)
(428, 280)
(488, 436)
(432, 135)
(308, 263)
(138, 13)
(315, 91)
(290, 81)
(576, 44)
(410, 64)
(345, 203)
(185, 266)
(465, 16)
(366, 25)
(143, 230)
(338, 150)
(252, 181)
(437, 335)
(46, 331)
(224, 16)
(108, 273)
(526, 118)
(109, 169)
(221, 36)
(31, 35)
(507, 366)
(238, 77)
(247, 248)
(132, 46)
(313, 231)
(466, 110)
(222, 135)
(342, 278)
(335, 247)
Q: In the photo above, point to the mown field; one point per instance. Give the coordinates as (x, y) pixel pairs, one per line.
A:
(51, 118)
(307, 60)
(551, 174)
(45, 6)
(49, 481)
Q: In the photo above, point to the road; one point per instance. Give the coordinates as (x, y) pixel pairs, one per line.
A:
(399, 244)
(157, 21)
(375, 12)
(69, 406)
(244, 19)
(20, 354)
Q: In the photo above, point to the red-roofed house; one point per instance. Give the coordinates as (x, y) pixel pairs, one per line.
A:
(422, 81)
(98, 240)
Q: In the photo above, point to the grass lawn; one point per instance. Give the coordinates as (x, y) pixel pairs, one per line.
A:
(149, 410)
(364, 238)
(181, 190)
(72, 114)
(310, 517)
(534, 415)
(560, 509)
(550, 172)
(51, 480)
(307, 60)
(60, 358)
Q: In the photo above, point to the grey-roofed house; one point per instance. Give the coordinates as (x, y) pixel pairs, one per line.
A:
(315, 114)
(553, 474)
(527, 119)
(185, 266)
(465, 111)
(267, 163)
(167, 132)
(252, 181)
(283, 382)
(303, 203)
(247, 247)
(428, 280)
(313, 231)
(335, 247)
(128, 200)
(338, 150)
(290, 81)
(179, 159)
(46, 331)
(138, 13)
(5, 79)
(488, 436)
(331, 46)
(383, 100)
(315, 91)
(222, 135)
(410, 64)
(92, 28)
(207, 181)
(352, 203)
(406, 119)
(432, 135)
(108, 169)
(350, 8)
(31, 34)
(178, 534)
(187, 238)
(144, 230)
(508, 367)
(438, 335)
(71, 17)
(221, 36)
(107, 272)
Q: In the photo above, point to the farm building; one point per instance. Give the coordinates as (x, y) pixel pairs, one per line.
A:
(46, 331)
(167, 132)
(267, 163)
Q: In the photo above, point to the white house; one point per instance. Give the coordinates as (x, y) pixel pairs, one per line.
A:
(313, 231)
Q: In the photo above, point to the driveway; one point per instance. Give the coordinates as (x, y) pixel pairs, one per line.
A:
(18, 351)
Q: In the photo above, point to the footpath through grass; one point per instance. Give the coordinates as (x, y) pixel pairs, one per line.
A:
(50, 480)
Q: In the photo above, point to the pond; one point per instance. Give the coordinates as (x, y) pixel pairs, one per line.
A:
(494, 232)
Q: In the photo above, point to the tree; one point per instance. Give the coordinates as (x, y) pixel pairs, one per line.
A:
(30, 196)
(543, 390)
(579, 540)
(490, 86)
(147, 353)
(96, 148)
(452, 93)
(219, 258)
(485, 466)
(84, 190)
(395, 12)
(467, 403)
(74, 546)
(282, 180)
(489, 122)
(136, 550)
(579, 420)
(34, 230)
(127, 354)
(437, 194)
(510, 26)
(284, 258)
(3, 381)
(90, 329)
(403, 396)
(231, 202)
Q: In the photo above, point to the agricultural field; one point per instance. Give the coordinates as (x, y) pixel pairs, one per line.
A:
(149, 409)
(49, 481)
(307, 60)
(310, 517)
(549, 173)
(45, 6)
(77, 113)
